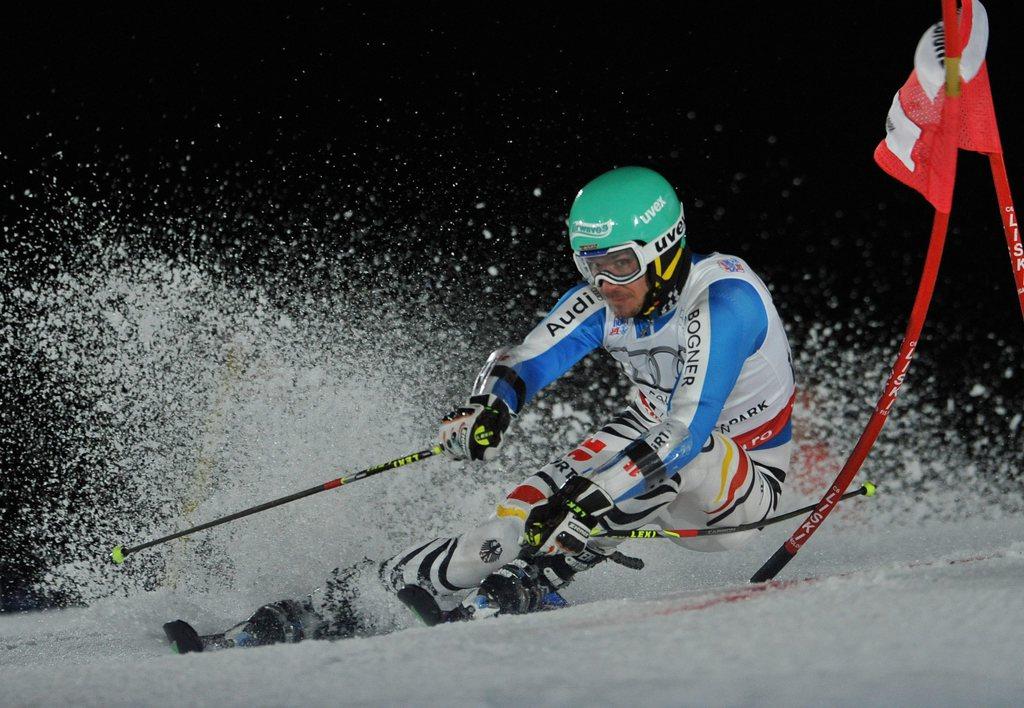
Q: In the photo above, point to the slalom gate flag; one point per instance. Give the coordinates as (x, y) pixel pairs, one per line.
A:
(925, 127)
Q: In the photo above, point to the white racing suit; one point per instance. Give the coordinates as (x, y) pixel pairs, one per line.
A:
(713, 391)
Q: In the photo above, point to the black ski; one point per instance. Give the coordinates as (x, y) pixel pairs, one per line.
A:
(186, 640)
(183, 638)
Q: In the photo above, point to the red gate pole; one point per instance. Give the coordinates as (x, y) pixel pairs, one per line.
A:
(1009, 218)
(950, 112)
(867, 439)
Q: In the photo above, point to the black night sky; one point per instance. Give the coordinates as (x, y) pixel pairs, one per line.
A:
(457, 107)
(764, 116)
(766, 123)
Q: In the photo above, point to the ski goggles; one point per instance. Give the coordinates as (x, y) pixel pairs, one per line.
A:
(627, 263)
(620, 265)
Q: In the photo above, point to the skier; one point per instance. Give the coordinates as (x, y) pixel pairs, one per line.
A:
(704, 440)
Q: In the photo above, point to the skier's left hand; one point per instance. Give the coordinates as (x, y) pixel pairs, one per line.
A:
(564, 523)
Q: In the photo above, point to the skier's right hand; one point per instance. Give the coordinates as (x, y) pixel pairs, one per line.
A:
(474, 431)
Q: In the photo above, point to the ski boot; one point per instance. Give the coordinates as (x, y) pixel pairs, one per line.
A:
(328, 613)
(523, 586)
(271, 624)
(516, 588)
(278, 622)
(528, 585)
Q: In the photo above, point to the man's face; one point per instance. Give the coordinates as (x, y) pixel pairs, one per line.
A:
(625, 300)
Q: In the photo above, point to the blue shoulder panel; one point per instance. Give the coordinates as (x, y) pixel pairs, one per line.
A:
(543, 368)
(739, 325)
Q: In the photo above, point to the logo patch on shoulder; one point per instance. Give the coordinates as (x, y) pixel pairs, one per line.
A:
(558, 321)
(731, 265)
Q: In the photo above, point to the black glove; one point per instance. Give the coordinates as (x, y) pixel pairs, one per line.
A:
(474, 431)
(564, 523)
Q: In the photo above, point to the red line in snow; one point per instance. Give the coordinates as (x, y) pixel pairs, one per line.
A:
(739, 594)
(746, 593)
(736, 595)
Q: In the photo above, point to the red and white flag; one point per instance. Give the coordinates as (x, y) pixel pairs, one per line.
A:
(925, 127)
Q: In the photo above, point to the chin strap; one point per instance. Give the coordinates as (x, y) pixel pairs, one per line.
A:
(665, 279)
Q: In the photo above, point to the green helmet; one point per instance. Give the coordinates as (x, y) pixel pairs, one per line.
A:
(628, 223)
(623, 205)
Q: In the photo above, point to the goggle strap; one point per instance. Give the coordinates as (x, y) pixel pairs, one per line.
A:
(651, 247)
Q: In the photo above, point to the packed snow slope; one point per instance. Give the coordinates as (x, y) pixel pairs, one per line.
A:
(928, 614)
(175, 395)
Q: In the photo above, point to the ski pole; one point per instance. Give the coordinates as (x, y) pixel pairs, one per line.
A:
(868, 490)
(120, 552)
